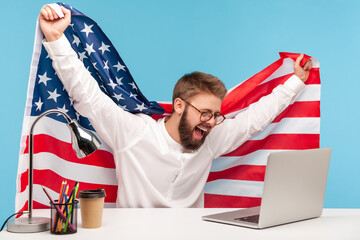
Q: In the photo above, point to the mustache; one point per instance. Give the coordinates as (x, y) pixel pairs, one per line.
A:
(206, 126)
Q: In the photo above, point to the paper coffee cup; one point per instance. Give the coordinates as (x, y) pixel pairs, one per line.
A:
(91, 207)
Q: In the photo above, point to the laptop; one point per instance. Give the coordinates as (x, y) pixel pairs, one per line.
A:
(294, 190)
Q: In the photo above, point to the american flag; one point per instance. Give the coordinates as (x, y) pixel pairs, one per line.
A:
(235, 180)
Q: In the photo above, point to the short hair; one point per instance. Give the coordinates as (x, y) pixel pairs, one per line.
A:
(194, 83)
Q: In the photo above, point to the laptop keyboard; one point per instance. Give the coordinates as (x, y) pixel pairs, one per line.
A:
(252, 219)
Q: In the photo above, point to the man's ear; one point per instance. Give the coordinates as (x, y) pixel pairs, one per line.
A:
(179, 106)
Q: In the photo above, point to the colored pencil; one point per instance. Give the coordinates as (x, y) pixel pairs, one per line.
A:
(59, 201)
(63, 208)
(57, 219)
(57, 209)
(73, 198)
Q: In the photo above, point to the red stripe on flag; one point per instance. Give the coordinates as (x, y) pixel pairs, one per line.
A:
(247, 93)
(53, 181)
(24, 180)
(157, 117)
(238, 98)
(314, 77)
(64, 150)
(37, 205)
(223, 201)
(294, 56)
(241, 90)
(235, 100)
(300, 109)
(167, 107)
(295, 110)
(241, 172)
(278, 141)
(168, 110)
(24, 208)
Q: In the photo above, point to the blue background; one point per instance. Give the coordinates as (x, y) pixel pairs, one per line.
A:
(161, 40)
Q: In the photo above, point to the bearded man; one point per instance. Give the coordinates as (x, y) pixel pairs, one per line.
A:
(164, 163)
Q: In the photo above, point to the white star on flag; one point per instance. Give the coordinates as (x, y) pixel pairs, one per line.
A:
(112, 84)
(133, 85)
(103, 88)
(124, 108)
(72, 26)
(89, 48)
(104, 47)
(118, 96)
(87, 29)
(54, 95)
(39, 105)
(106, 65)
(94, 65)
(118, 80)
(82, 56)
(63, 109)
(119, 67)
(43, 78)
(76, 40)
(140, 107)
(133, 95)
(77, 116)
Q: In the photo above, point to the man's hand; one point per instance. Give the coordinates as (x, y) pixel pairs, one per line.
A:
(302, 72)
(51, 25)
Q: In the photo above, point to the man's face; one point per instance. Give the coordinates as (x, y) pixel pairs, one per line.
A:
(192, 130)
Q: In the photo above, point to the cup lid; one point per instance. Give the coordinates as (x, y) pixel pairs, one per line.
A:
(92, 193)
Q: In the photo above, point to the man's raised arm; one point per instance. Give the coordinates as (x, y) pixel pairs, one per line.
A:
(234, 132)
(114, 125)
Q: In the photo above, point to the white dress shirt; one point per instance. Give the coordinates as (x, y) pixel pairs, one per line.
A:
(152, 169)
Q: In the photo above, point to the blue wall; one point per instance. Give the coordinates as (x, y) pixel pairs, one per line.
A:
(161, 40)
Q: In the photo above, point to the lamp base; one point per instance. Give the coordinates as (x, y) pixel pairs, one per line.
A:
(27, 225)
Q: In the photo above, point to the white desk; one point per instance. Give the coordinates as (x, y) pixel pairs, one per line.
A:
(185, 224)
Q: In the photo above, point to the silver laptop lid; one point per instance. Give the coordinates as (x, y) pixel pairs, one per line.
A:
(294, 186)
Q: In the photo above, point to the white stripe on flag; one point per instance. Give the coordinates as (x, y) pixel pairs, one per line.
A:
(58, 130)
(235, 188)
(310, 93)
(255, 158)
(290, 126)
(286, 68)
(70, 170)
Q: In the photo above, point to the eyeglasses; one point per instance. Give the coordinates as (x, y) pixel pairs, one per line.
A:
(207, 115)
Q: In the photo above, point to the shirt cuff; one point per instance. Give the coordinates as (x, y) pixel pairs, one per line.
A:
(294, 84)
(57, 47)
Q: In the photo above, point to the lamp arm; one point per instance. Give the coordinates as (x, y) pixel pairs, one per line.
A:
(31, 153)
(46, 113)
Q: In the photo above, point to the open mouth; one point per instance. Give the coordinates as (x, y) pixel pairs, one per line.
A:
(200, 131)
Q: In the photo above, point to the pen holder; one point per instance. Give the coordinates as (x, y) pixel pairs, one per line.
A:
(64, 217)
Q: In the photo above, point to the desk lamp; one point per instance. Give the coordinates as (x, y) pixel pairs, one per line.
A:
(83, 142)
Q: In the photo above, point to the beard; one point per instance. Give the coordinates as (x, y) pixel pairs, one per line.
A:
(186, 134)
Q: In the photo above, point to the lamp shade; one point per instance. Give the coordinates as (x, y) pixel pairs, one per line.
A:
(84, 142)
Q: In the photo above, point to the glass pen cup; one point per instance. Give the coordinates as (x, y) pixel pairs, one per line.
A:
(64, 217)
